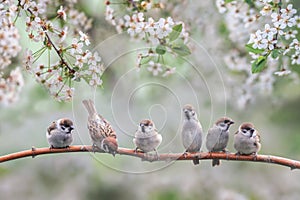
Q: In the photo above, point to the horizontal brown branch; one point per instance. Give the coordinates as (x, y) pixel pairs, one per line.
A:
(293, 164)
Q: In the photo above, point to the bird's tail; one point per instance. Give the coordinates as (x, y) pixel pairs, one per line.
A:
(90, 106)
(196, 162)
(216, 162)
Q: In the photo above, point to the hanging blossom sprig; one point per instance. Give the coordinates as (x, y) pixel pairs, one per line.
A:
(267, 31)
(164, 36)
(11, 82)
(11, 86)
(68, 62)
(277, 38)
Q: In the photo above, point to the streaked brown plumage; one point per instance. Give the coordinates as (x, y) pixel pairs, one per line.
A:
(101, 132)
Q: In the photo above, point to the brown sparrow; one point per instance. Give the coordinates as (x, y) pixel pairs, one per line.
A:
(217, 137)
(191, 131)
(146, 137)
(59, 133)
(101, 132)
(247, 139)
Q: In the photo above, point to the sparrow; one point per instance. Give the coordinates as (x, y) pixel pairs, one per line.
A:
(59, 133)
(146, 137)
(101, 132)
(247, 139)
(191, 133)
(217, 137)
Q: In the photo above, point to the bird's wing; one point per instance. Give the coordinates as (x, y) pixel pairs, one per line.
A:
(212, 138)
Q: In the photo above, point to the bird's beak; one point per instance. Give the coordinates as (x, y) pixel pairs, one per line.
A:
(71, 128)
(252, 131)
(143, 128)
(186, 113)
(231, 122)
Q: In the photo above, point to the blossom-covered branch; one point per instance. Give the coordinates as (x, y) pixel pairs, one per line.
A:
(59, 62)
(267, 31)
(164, 37)
(33, 152)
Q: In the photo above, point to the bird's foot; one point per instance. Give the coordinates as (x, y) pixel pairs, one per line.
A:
(237, 155)
(150, 157)
(185, 154)
(94, 148)
(137, 150)
(254, 155)
(225, 151)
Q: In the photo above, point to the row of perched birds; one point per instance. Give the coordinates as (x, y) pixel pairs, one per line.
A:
(147, 139)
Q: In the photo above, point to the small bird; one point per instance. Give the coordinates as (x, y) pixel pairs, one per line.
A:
(146, 137)
(191, 131)
(59, 133)
(101, 132)
(217, 137)
(247, 139)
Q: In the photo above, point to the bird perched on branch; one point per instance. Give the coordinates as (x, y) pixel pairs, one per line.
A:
(59, 133)
(217, 137)
(101, 132)
(191, 131)
(146, 137)
(247, 139)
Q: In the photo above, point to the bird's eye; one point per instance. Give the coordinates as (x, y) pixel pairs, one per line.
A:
(226, 121)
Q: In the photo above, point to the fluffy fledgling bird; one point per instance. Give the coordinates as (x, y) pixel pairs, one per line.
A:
(146, 137)
(191, 133)
(59, 133)
(101, 132)
(217, 137)
(247, 139)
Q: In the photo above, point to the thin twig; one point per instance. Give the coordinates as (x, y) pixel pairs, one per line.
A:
(33, 152)
(58, 52)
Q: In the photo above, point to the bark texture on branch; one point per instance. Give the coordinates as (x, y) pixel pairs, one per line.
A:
(293, 164)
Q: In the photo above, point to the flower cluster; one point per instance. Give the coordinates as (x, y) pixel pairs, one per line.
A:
(11, 86)
(272, 44)
(9, 48)
(71, 61)
(164, 35)
(149, 59)
(279, 38)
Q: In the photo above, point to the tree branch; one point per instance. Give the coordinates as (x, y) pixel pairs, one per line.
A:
(293, 164)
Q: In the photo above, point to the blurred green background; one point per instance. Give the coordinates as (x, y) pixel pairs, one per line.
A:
(127, 97)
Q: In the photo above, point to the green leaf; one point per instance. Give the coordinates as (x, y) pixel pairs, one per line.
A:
(250, 3)
(160, 49)
(259, 64)
(275, 53)
(181, 49)
(228, 1)
(175, 32)
(249, 48)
